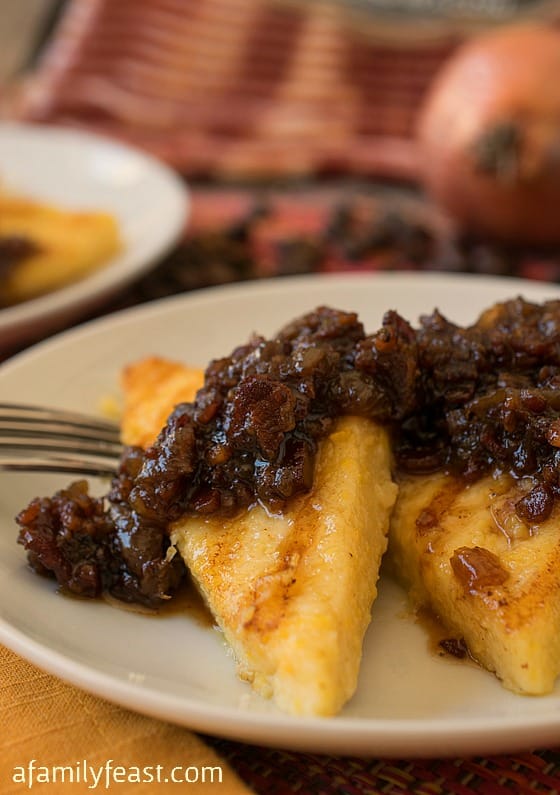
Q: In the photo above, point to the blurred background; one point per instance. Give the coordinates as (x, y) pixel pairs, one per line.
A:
(316, 135)
(21, 26)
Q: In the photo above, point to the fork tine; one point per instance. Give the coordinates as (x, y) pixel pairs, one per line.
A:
(36, 421)
(12, 412)
(39, 439)
(18, 409)
(79, 466)
(57, 430)
(61, 445)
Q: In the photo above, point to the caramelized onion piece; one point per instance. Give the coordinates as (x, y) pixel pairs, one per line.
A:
(477, 569)
(537, 505)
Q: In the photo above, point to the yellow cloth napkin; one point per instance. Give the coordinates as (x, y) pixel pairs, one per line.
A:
(49, 729)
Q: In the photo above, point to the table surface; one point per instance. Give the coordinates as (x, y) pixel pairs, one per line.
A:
(217, 218)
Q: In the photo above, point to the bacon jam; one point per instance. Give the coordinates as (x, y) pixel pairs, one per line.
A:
(466, 400)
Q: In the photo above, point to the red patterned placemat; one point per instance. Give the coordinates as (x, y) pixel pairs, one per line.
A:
(246, 233)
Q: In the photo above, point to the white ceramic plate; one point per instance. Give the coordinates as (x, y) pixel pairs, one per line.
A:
(409, 702)
(78, 170)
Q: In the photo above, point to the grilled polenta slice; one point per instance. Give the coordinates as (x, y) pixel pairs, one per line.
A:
(152, 387)
(491, 579)
(68, 245)
(292, 592)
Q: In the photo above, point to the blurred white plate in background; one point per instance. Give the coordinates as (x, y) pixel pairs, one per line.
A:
(78, 170)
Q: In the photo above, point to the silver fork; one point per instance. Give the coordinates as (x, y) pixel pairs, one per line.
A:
(40, 439)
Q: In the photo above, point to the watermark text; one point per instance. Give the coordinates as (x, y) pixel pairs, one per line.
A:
(109, 773)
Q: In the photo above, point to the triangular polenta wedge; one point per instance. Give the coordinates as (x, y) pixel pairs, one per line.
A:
(291, 592)
(492, 580)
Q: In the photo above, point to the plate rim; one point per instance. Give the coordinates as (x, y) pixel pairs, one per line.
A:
(441, 738)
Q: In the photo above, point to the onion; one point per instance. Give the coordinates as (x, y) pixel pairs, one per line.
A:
(489, 135)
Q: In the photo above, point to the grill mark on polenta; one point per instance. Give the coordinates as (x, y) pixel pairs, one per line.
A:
(273, 590)
(431, 517)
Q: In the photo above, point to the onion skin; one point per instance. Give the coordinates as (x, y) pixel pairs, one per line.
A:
(489, 135)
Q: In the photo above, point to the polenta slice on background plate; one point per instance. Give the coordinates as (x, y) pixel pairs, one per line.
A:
(293, 591)
(492, 579)
(64, 246)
